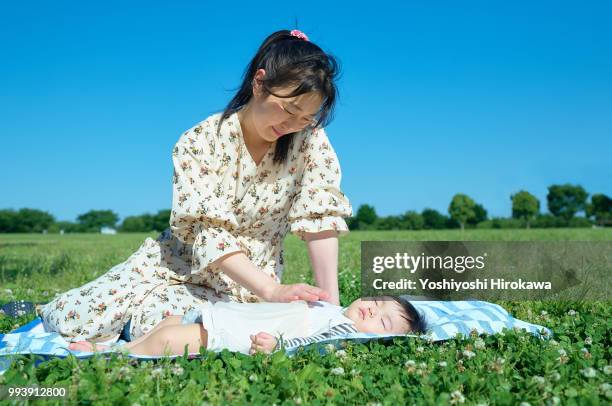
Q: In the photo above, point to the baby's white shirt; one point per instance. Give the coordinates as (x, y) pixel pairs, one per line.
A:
(229, 324)
(324, 315)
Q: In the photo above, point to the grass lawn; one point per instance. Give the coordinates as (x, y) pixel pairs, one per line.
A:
(573, 368)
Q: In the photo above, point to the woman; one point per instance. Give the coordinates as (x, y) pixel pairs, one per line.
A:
(242, 179)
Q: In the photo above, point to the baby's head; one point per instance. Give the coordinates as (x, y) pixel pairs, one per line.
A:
(385, 315)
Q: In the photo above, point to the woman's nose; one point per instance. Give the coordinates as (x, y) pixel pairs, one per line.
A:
(290, 126)
(287, 128)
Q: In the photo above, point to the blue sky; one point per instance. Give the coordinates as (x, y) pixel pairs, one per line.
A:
(436, 98)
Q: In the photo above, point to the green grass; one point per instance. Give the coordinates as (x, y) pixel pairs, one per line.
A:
(574, 368)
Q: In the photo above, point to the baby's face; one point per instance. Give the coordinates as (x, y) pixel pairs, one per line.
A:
(378, 316)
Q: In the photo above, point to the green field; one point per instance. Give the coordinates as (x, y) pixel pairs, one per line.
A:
(574, 368)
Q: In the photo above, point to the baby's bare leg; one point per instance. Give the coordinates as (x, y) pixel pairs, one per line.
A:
(89, 346)
(168, 321)
(171, 340)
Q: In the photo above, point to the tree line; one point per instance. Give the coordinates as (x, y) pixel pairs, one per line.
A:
(37, 221)
(564, 203)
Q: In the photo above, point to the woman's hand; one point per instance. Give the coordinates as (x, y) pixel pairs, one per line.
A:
(262, 342)
(296, 291)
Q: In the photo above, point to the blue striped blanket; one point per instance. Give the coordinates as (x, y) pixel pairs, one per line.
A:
(445, 320)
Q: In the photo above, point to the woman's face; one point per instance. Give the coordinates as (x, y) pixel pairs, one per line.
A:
(272, 117)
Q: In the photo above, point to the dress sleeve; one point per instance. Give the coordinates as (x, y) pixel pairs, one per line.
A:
(319, 204)
(201, 215)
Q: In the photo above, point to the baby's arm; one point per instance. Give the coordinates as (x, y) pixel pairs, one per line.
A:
(262, 342)
(268, 343)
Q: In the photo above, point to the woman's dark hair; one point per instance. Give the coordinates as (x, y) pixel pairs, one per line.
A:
(412, 315)
(289, 61)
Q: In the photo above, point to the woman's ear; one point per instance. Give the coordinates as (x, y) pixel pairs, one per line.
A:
(257, 81)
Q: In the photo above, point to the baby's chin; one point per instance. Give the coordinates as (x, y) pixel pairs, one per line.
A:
(355, 320)
(365, 329)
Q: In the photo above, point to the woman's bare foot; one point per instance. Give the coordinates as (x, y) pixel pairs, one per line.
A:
(87, 346)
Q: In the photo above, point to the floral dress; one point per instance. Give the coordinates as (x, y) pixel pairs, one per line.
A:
(223, 202)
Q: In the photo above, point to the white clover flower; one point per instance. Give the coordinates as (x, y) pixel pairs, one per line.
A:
(409, 363)
(125, 370)
(607, 369)
(479, 344)
(469, 354)
(298, 401)
(562, 352)
(589, 372)
(337, 371)
(543, 313)
(178, 370)
(588, 341)
(572, 312)
(341, 353)
(8, 291)
(423, 365)
(253, 378)
(457, 397)
(330, 347)
(604, 387)
(584, 350)
(442, 364)
(156, 371)
(555, 376)
(525, 404)
(538, 379)
(420, 349)
(553, 342)
(554, 401)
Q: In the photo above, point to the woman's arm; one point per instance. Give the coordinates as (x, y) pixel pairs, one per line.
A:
(318, 211)
(323, 252)
(238, 267)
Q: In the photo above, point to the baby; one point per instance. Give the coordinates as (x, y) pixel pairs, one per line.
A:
(253, 327)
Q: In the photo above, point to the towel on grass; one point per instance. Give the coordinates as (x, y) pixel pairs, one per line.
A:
(444, 320)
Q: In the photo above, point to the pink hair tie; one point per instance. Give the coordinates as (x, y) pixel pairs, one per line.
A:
(299, 34)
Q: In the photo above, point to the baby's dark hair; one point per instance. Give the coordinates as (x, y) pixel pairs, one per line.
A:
(411, 315)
